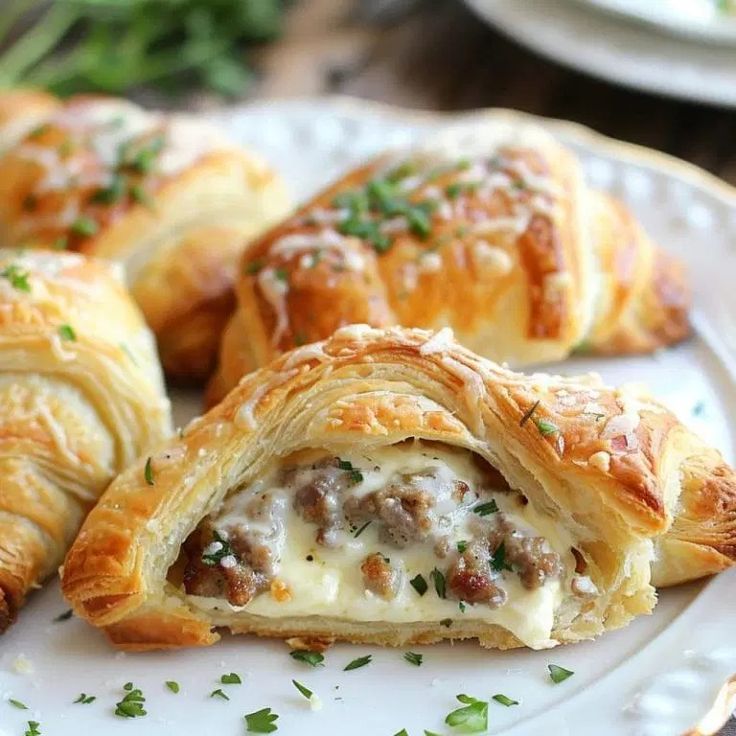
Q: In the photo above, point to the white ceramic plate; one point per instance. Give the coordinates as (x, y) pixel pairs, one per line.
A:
(617, 49)
(702, 20)
(658, 677)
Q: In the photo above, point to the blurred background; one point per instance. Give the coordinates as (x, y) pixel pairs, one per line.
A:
(605, 63)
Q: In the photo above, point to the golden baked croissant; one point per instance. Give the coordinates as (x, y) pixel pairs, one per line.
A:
(22, 110)
(488, 229)
(390, 486)
(82, 396)
(166, 196)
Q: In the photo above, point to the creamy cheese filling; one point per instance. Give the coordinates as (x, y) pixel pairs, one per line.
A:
(317, 545)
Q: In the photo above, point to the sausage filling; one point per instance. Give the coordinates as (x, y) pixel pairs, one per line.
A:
(413, 527)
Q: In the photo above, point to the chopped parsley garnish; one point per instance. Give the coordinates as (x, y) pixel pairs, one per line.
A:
(484, 509)
(142, 156)
(131, 706)
(453, 190)
(505, 700)
(414, 658)
(528, 415)
(419, 584)
(128, 352)
(63, 616)
(66, 147)
(214, 557)
(148, 472)
(253, 267)
(66, 332)
(404, 169)
(140, 195)
(85, 699)
(219, 693)
(379, 200)
(173, 685)
(261, 721)
(362, 529)
(17, 704)
(315, 659)
(281, 274)
(39, 131)
(546, 428)
(354, 475)
(17, 277)
(558, 674)
(461, 606)
(446, 622)
(359, 662)
(367, 230)
(471, 718)
(112, 193)
(462, 545)
(33, 729)
(439, 582)
(498, 561)
(84, 226)
(232, 679)
(305, 691)
(60, 243)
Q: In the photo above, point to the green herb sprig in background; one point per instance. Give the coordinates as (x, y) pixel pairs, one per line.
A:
(114, 46)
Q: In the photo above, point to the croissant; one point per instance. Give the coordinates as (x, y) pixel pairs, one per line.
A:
(167, 196)
(21, 111)
(489, 229)
(82, 397)
(390, 486)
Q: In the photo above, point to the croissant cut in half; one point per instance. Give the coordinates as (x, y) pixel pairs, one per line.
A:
(389, 486)
(81, 396)
(487, 227)
(168, 196)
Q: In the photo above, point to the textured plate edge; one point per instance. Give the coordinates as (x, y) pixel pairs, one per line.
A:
(568, 129)
(721, 32)
(572, 133)
(568, 60)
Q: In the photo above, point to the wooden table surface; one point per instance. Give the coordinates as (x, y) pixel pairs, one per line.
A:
(437, 55)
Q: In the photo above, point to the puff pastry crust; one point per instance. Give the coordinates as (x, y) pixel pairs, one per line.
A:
(610, 471)
(82, 397)
(21, 111)
(165, 195)
(486, 228)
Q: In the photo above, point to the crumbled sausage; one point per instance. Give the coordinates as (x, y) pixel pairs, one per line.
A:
(403, 508)
(238, 576)
(530, 557)
(379, 576)
(318, 497)
(471, 579)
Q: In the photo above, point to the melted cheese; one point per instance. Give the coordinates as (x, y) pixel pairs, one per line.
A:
(331, 585)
